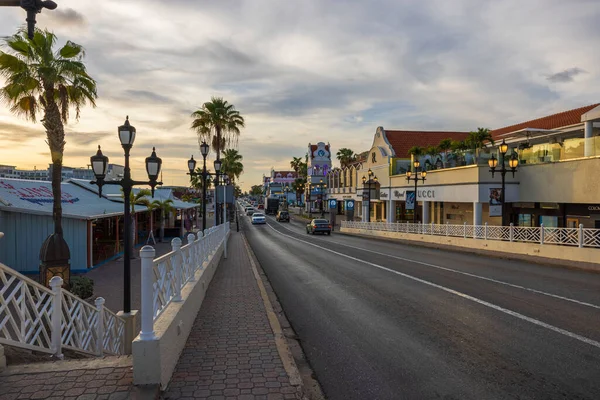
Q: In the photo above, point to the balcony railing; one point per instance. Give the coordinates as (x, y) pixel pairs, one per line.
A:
(581, 237)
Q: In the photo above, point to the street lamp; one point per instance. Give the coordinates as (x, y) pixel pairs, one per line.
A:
(99, 162)
(218, 165)
(371, 178)
(287, 190)
(226, 182)
(204, 148)
(513, 162)
(322, 186)
(416, 178)
(308, 200)
(32, 7)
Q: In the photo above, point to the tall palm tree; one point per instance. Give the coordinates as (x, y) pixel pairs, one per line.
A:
(296, 163)
(42, 81)
(217, 122)
(345, 156)
(165, 207)
(232, 164)
(196, 179)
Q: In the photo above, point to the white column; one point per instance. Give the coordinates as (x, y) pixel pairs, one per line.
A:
(426, 207)
(147, 254)
(589, 143)
(100, 326)
(365, 210)
(56, 317)
(477, 211)
(391, 213)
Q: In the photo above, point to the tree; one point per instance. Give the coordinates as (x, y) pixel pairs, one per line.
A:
(196, 179)
(345, 156)
(298, 185)
(256, 190)
(295, 164)
(432, 152)
(477, 140)
(232, 164)
(416, 151)
(217, 122)
(42, 81)
(445, 146)
(139, 198)
(165, 207)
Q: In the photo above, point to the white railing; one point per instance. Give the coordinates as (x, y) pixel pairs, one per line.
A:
(36, 318)
(164, 278)
(581, 237)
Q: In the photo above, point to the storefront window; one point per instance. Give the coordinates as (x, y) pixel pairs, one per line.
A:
(549, 221)
(525, 219)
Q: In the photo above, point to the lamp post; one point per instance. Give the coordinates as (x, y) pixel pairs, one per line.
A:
(322, 186)
(217, 164)
(309, 201)
(32, 7)
(416, 178)
(226, 182)
(513, 162)
(371, 178)
(287, 190)
(99, 163)
(204, 148)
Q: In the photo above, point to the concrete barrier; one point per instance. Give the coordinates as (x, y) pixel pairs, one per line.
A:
(564, 255)
(155, 360)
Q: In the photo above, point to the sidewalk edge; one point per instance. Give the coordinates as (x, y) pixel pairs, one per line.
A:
(289, 364)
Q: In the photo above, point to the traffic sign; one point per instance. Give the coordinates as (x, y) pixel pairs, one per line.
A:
(332, 203)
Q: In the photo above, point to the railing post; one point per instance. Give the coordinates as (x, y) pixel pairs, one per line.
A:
(465, 230)
(446, 228)
(580, 235)
(147, 254)
(485, 231)
(100, 326)
(177, 267)
(191, 238)
(56, 332)
(431, 230)
(224, 244)
(511, 232)
(542, 233)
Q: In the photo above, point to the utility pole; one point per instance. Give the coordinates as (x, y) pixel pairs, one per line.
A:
(32, 7)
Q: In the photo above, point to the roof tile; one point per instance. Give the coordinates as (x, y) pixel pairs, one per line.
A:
(402, 141)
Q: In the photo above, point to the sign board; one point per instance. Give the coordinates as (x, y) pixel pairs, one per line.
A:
(495, 202)
(410, 200)
(349, 205)
(332, 204)
(228, 193)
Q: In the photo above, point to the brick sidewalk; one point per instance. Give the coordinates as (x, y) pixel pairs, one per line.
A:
(231, 351)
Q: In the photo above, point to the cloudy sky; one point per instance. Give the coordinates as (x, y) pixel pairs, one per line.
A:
(305, 71)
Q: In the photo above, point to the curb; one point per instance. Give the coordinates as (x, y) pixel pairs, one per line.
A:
(289, 364)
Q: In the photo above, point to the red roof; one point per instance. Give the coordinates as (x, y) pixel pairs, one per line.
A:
(564, 118)
(402, 141)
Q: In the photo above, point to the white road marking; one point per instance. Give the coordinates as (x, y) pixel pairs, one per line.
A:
(457, 293)
(582, 303)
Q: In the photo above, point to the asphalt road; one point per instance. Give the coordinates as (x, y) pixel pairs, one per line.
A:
(383, 320)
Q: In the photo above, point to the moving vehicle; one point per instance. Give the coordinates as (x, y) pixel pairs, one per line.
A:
(283, 216)
(261, 207)
(250, 211)
(318, 225)
(259, 218)
(271, 205)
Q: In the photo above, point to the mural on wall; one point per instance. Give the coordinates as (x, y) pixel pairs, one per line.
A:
(37, 195)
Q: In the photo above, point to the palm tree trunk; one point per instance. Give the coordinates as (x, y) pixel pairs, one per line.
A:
(162, 225)
(55, 134)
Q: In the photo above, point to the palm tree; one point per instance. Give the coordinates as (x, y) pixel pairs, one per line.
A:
(298, 185)
(42, 81)
(445, 146)
(477, 140)
(196, 179)
(165, 207)
(432, 152)
(295, 164)
(232, 164)
(217, 122)
(458, 148)
(345, 156)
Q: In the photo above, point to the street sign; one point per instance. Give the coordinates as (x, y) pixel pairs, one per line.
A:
(349, 205)
(332, 203)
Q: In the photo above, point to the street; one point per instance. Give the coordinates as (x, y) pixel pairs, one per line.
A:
(384, 320)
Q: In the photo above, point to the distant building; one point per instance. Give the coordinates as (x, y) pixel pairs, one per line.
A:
(319, 164)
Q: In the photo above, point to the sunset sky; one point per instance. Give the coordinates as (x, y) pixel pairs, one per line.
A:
(305, 71)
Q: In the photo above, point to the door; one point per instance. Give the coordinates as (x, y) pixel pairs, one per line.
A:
(572, 222)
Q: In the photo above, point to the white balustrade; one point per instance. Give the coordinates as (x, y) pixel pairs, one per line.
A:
(164, 278)
(47, 320)
(582, 237)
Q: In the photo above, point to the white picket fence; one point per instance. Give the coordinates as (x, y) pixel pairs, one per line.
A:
(581, 237)
(164, 278)
(47, 320)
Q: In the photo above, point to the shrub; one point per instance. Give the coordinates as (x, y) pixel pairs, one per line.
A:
(82, 287)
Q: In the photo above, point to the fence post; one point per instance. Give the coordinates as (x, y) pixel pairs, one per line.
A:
(485, 231)
(465, 230)
(511, 232)
(541, 233)
(191, 238)
(56, 333)
(446, 228)
(580, 235)
(225, 243)
(100, 327)
(177, 267)
(431, 231)
(147, 254)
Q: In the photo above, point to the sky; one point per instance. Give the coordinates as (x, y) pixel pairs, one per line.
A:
(305, 71)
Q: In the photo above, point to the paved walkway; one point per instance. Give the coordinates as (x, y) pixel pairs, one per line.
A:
(231, 352)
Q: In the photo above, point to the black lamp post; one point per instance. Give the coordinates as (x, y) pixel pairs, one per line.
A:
(372, 178)
(309, 198)
(416, 178)
(322, 186)
(513, 162)
(226, 182)
(99, 165)
(287, 190)
(204, 148)
(217, 164)
(32, 7)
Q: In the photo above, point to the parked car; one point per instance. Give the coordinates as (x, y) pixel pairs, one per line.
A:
(250, 211)
(258, 218)
(318, 225)
(283, 216)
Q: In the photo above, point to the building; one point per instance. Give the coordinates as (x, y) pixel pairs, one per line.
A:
(318, 167)
(114, 172)
(281, 184)
(555, 183)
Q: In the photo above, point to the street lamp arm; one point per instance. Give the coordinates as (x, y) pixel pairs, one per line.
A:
(10, 3)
